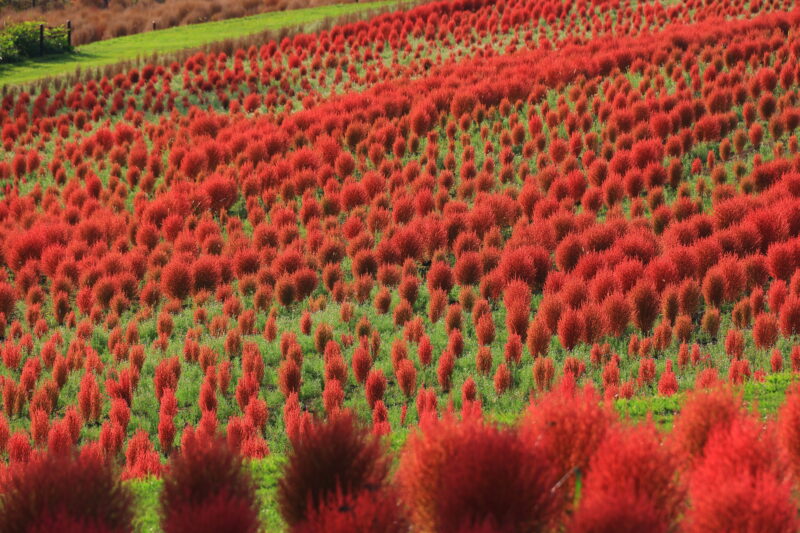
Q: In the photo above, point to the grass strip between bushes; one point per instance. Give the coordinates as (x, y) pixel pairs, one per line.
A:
(765, 398)
(130, 47)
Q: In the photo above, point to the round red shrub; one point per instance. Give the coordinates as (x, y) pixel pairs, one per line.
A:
(570, 328)
(569, 425)
(644, 305)
(789, 317)
(332, 459)
(375, 386)
(631, 484)
(703, 412)
(741, 484)
(765, 330)
(66, 492)
(208, 488)
(457, 476)
(440, 277)
(176, 280)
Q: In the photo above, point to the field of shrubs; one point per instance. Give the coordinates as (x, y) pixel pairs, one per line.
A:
(429, 261)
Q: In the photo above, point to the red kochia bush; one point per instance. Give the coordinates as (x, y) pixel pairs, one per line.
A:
(176, 280)
(221, 191)
(570, 327)
(765, 330)
(631, 485)
(471, 476)
(440, 276)
(644, 305)
(789, 428)
(616, 313)
(741, 484)
(7, 299)
(205, 273)
(468, 268)
(790, 316)
(375, 386)
(530, 264)
(208, 488)
(335, 459)
(569, 425)
(703, 413)
(377, 511)
(65, 493)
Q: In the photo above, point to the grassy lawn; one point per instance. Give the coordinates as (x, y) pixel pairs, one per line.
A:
(111, 51)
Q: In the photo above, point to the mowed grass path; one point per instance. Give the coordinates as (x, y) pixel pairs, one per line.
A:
(111, 51)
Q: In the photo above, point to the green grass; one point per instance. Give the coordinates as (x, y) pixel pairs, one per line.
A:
(111, 51)
(765, 398)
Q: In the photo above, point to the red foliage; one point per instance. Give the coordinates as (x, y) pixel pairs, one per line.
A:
(367, 510)
(668, 383)
(375, 386)
(644, 305)
(472, 476)
(741, 484)
(765, 330)
(631, 485)
(543, 373)
(208, 488)
(789, 429)
(440, 277)
(361, 362)
(407, 377)
(617, 312)
(444, 370)
(538, 338)
(141, 459)
(331, 460)
(502, 379)
(789, 317)
(570, 329)
(289, 377)
(176, 280)
(66, 492)
(568, 425)
(529, 264)
(703, 413)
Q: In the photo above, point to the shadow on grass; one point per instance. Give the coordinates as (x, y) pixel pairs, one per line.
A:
(75, 58)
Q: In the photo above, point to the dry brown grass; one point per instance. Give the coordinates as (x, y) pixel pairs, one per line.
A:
(92, 22)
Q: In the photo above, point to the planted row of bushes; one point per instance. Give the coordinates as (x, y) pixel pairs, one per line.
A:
(22, 41)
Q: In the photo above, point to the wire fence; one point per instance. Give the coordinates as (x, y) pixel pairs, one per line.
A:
(33, 39)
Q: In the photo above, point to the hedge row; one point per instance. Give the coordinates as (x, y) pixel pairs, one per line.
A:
(22, 41)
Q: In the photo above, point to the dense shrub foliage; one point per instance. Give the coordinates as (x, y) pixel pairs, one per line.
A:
(23, 40)
(467, 212)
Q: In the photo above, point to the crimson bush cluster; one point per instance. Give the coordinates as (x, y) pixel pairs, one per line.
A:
(448, 209)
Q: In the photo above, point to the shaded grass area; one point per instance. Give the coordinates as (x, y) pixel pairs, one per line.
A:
(130, 47)
(766, 398)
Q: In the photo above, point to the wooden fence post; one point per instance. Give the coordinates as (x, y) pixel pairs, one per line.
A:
(69, 34)
(41, 39)
(154, 25)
